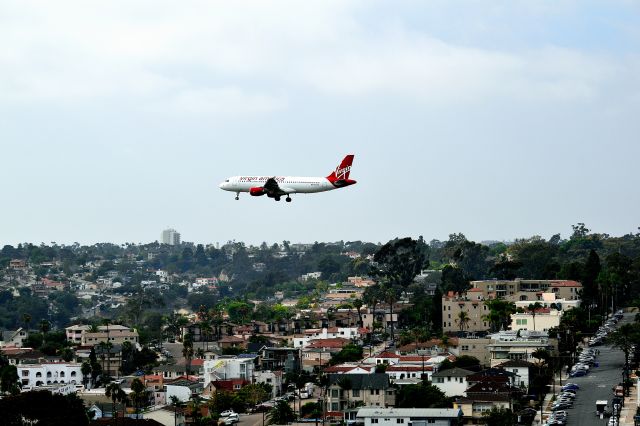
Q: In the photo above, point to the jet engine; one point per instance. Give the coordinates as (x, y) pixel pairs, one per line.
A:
(257, 191)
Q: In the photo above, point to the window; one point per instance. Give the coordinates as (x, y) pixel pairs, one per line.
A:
(335, 393)
(465, 347)
(25, 373)
(374, 421)
(399, 421)
(356, 393)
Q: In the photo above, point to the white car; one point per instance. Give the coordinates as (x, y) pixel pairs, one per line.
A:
(227, 413)
(231, 419)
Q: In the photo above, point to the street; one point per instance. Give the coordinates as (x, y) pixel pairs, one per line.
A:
(597, 385)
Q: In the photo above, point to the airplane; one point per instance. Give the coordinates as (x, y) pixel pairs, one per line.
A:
(279, 186)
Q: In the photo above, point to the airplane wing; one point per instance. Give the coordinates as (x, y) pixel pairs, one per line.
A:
(272, 187)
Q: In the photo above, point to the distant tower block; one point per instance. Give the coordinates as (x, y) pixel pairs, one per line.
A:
(171, 237)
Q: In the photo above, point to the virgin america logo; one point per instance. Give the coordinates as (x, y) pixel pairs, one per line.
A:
(342, 173)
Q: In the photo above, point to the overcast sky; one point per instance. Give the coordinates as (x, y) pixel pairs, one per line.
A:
(498, 119)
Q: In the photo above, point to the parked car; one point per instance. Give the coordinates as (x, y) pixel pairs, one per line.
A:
(227, 413)
(578, 373)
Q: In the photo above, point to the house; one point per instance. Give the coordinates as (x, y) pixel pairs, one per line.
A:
(518, 345)
(224, 368)
(14, 338)
(521, 369)
(453, 381)
(271, 378)
(182, 389)
(375, 416)
(347, 368)
(407, 371)
(475, 347)
(110, 358)
(230, 342)
(484, 395)
(287, 359)
(170, 372)
(230, 385)
(363, 389)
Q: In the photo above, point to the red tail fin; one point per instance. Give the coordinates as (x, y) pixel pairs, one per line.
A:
(342, 171)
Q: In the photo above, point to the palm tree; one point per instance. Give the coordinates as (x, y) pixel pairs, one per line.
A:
(358, 304)
(205, 330)
(463, 320)
(280, 414)
(533, 307)
(138, 394)
(187, 350)
(85, 369)
(26, 318)
(115, 392)
(45, 326)
(346, 385)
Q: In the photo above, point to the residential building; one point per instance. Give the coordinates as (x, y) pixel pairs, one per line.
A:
(225, 368)
(364, 389)
(15, 338)
(542, 319)
(453, 381)
(272, 378)
(33, 375)
(518, 345)
(526, 290)
(287, 359)
(113, 333)
(522, 370)
(171, 237)
(375, 416)
(464, 312)
(475, 347)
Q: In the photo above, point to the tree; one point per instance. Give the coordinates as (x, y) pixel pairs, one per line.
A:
(358, 304)
(45, 326)
(85, 369)
(9, 380)
(346, 385)
(625, 338)
(424, 395)
(139, 394)
(463, 320)
(499, 315)
(533, 307)
(280, 414)
(187, 350)
(348, 353)
(115, 392)
(498, 417)
(43, 408)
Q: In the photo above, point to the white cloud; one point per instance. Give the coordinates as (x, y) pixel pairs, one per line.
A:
(203, 52)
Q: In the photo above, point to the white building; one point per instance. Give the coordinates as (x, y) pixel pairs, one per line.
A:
(325, 333)
(228, 368)
(34, 375)
(453, 382)
(543, 320)
(376, 416)
(170, 236)
(273, 378)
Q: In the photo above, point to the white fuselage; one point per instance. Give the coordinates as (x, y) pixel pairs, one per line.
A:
(288, 184)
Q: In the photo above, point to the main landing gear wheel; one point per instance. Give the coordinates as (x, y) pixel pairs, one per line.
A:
(288, 199)
(237, 196)
(277, 198)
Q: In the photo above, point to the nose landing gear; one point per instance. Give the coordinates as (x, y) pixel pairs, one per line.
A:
(237, 196)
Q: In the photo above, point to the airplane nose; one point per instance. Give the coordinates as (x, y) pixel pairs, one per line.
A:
(221, 186)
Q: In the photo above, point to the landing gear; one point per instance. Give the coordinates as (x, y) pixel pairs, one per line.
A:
(277, 198)
(237, 196)
(288, 199)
